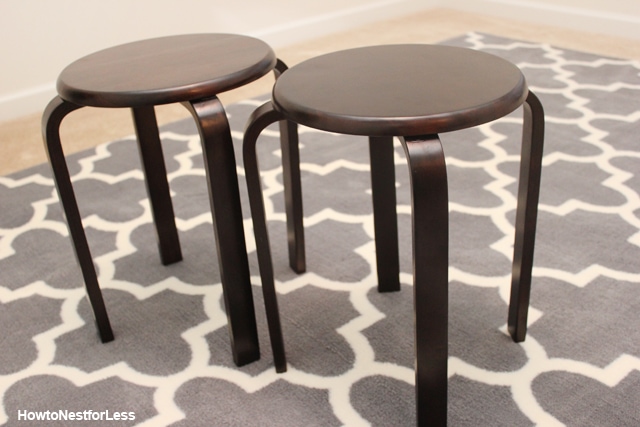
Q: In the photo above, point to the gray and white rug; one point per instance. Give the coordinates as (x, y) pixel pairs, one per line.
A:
(350, 349)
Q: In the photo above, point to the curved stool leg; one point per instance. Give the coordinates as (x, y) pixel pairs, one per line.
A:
(260, 119)
(155, 173)
(430, 268)
(292, 188)
(526, 216)
(53, 115)
(222, 180)
(385, 217)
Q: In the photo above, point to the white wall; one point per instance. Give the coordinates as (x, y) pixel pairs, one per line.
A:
(40, 37)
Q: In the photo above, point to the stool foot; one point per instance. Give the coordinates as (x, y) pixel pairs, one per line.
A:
(260, 119)
(51, 120)
(429, 197)
(526, 216)
(222, 181)
(385, 217)
(155, 173)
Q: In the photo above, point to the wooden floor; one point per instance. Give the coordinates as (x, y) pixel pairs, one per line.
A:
(21, 140)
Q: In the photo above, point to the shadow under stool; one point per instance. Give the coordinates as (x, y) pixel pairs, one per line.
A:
(413, 92)
(188, 69)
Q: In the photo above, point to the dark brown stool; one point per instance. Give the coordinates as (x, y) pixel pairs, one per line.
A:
(414, 92)
(192, 70)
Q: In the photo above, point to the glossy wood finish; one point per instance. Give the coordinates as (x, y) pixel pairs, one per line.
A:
(155, 172)
(258, 121)
(385, 218)
(192, 70)
(400, 90)
(53, 115)
(526, 216)
(292, 189)
(414, 92)
(430, 229)
(165, 70)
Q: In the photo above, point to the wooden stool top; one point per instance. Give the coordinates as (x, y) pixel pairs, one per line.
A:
(165, 70)
(399, 90)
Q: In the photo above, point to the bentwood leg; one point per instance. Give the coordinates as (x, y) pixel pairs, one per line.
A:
(53, 115)
(430, 268)
(526, 216)
(385, 217)
(260, 119)
(155, 173)
(222, 180)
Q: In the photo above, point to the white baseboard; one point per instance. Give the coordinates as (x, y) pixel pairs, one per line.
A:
(576, 18)
(26, 102)
(34, 100)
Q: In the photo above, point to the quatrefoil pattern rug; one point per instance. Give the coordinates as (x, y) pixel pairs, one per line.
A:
(350, 348)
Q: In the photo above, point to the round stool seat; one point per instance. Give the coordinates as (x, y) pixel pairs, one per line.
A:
(399, 90)
(165, 70)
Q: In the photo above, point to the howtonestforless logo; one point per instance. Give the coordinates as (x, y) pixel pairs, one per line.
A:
(64, 415)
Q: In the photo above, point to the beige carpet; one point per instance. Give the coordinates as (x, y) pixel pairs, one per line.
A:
(21, 145)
